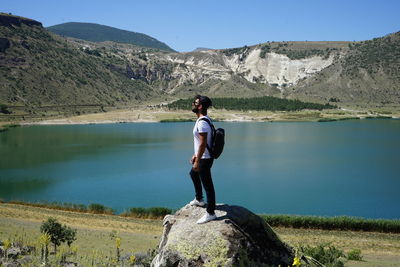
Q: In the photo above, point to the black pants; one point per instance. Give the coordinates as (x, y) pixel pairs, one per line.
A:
(203, 176)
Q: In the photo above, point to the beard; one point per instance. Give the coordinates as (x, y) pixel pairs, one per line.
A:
(195, 110)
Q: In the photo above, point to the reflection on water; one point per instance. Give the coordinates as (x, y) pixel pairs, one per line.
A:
(36, 145)
(338, 168)
(11, 187)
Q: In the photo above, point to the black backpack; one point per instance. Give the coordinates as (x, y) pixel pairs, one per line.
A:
(217, 140)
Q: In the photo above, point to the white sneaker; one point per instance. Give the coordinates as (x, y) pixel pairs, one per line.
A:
(206, 218)
(196, 202)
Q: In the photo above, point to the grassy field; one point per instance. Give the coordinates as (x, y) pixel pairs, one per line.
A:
(96, 234)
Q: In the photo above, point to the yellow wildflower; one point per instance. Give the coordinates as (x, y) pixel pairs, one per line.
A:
(296, 262)
(132, 259)
(74, 249)
(118, 242)
(7, 244)
(45, 239)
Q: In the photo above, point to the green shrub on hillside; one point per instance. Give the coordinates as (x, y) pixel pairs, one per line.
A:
(264, 50)
(234, 51)
(93, 52)
(376, 55)
(300, 54)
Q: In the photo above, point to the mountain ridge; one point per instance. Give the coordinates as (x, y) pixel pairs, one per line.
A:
(99, 33)
(9, 20)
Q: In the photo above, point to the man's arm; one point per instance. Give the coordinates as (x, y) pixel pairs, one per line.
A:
(202, 148)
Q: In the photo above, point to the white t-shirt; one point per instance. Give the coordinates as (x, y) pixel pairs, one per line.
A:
(202, 126)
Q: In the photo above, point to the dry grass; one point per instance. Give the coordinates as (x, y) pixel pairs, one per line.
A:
(378, 249)
(75, 219)
(369, 242)
(94, 231)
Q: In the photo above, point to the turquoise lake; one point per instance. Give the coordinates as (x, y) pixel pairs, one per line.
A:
(330, 169)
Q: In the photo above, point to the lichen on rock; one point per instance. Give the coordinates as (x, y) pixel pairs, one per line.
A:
(216, 250)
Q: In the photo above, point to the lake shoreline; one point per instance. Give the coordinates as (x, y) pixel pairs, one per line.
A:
(338, 223)
(156, 115)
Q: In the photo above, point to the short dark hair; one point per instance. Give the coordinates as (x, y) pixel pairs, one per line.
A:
(204, 101)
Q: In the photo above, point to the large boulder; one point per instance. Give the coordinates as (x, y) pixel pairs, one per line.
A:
(237, 238)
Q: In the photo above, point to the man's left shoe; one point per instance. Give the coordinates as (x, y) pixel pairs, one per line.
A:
(206, 218)
(199, 203)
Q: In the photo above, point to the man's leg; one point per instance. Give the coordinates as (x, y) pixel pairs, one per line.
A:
(197, 184)
(206, 179)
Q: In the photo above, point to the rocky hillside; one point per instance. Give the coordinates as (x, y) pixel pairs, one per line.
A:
(40, 71)
(368, 73)
(363, 73)
(260, 70)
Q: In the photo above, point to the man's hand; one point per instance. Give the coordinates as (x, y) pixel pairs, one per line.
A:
(196, 165)
(191, 161)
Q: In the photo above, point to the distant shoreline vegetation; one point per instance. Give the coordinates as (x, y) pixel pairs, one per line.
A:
(269, 103)
(95, 208)
(341, 223)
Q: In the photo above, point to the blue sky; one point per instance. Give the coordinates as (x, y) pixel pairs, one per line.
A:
(185, 25)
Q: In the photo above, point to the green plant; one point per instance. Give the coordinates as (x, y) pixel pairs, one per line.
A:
(58, 233)
(153, 212)
(264, 50)
(295, 54)
(354, 255)
(44, 241)
(233, 51)
(99, 209)
(7, 245)
(330, 256)
(118, 246)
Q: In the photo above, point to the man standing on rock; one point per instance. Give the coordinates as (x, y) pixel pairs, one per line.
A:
(202, 161)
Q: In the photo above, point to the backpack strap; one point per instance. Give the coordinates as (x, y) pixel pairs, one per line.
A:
(212, 132)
